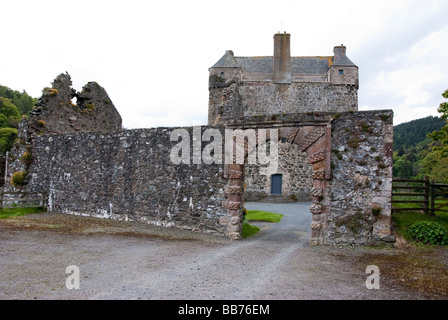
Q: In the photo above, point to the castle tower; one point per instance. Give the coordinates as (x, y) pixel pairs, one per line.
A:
(281, 84)
(342, 70)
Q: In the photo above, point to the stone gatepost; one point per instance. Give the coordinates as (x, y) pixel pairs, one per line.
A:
(234, 192)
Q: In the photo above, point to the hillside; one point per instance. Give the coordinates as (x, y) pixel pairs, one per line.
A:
(416, 155)
(409, 134)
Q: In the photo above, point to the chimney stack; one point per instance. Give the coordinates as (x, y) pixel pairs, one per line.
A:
(282, 58)
(339, 52)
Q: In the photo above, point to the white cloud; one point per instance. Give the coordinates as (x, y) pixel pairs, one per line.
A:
(153, 57)
(412, 80)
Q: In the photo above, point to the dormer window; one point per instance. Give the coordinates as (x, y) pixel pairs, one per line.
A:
(341, 72)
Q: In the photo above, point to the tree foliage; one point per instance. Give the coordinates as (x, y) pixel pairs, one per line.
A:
(411, 133)
(21, 100)
(443, 109)
(415, 156)
(441, 136)
(13, 105)
(7, 138)
(10, 116)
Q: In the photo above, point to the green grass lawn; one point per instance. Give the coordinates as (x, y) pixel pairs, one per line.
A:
(17, 212)
(403, 220)
(255, 215)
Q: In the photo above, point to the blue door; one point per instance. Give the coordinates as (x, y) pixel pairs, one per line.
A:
(276, 184)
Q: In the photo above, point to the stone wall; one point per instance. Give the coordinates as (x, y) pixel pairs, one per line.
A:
(61, 109)
(260, 99)
(238, 99)
(351, 158)
(127, 175)
(295, 169)
(360, 189)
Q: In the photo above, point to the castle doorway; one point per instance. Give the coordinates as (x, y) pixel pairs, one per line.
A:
(312, 140)
(276, 184)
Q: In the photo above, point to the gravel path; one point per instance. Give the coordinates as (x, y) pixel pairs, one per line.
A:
(126, 261)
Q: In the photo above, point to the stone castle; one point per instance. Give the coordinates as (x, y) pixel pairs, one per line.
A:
(249, 86)
(330, 153)
(281, 84)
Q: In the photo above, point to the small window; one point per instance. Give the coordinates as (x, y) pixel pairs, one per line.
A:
(341, 72)
(222, 74)
(283, 140)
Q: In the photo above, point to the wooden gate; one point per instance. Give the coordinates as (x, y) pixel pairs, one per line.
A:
(22, 199)
(419, 195)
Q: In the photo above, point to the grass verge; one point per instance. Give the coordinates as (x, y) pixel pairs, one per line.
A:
(403, 220)
(17, 212)
(248, 230)
(255, 215)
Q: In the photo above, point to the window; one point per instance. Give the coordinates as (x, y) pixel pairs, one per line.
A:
(222, 74)
(341, 72)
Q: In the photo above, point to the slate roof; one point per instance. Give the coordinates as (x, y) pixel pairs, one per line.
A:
(227, 61)
(256, 64)
(310, 65)
(305, 65)
(343, 61)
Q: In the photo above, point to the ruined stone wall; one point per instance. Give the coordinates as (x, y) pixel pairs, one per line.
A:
(360, 188)
(127, 175)
(61, 109)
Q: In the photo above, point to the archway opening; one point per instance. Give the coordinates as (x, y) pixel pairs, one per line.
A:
(314, 142)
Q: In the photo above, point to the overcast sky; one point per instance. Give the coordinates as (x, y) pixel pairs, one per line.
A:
(152, 57)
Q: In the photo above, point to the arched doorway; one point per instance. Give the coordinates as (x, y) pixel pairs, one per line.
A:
(315, 140)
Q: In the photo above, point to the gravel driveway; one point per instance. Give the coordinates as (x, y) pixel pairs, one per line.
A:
(119, 260)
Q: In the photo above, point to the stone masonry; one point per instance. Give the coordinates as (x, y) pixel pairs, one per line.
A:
(330, 153)
(281, 84)
(127, 175)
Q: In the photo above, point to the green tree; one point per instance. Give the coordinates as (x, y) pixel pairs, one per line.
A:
(24, 103)
(435, 163)
(3, 121)
(10, 111)
(442, 135)
(443, 108)
(409, 134)
(7, 138)
(402, 168)
(21, 100)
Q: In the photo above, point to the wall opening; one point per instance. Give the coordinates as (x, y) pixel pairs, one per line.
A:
(276, 184)
(313, 143)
